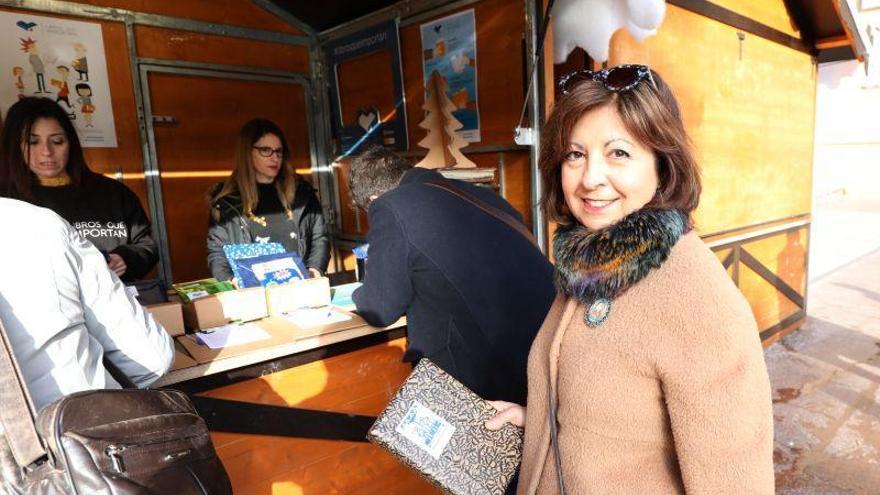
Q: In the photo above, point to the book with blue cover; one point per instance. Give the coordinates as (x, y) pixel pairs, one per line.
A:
(235, 252)
(190, 291)
(270, 269)
(341, 295)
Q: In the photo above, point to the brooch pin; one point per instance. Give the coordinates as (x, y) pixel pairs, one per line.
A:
(598, 312)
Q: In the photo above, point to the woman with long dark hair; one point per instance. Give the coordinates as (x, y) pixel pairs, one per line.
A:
(264, 201)
(42, 162)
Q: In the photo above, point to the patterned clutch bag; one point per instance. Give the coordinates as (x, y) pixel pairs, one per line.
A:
(435, 425)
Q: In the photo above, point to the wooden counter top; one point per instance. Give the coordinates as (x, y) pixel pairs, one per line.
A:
(275, 348)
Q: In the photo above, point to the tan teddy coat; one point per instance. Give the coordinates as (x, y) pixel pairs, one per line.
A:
(669, 395)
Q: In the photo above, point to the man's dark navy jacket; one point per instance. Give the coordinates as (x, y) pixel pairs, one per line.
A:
(474, 290)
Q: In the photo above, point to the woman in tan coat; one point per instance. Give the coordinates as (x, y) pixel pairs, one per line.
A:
(647, 376)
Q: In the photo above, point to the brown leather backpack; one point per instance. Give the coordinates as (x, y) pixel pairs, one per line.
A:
(103, 442)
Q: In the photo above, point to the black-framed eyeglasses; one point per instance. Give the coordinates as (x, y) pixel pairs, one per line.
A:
(266, 151)
(618, 78)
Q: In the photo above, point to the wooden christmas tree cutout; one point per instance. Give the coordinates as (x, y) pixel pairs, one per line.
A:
(442, 142)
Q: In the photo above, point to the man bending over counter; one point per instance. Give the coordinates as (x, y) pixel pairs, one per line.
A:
(454, 258)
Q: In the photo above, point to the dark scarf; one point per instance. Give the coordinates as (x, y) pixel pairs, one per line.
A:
(604, 263)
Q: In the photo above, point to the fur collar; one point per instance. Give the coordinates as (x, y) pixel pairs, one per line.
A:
(604, 263)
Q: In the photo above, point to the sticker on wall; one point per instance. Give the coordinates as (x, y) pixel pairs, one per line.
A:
(449, 47)
(62, 60)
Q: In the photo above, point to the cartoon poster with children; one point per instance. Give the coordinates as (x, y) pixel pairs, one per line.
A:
(61, 60)
(449, 46)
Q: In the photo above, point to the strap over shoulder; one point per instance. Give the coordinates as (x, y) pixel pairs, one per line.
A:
(486, 207)
(17, 413)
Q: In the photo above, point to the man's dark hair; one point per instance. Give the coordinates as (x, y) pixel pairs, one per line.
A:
(373, 173)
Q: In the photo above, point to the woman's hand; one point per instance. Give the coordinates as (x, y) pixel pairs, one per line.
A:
(508, 412)
(315, 273)
(117, 264)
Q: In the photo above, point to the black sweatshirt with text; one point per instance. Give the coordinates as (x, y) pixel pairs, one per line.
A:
(108, 214)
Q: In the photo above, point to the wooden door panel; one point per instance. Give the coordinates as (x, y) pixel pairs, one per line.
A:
(197, 149)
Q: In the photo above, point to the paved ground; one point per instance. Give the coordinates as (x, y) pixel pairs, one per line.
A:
(826, 376)
(843, 229)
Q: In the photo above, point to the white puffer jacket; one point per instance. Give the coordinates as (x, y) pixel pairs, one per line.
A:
(64, 310)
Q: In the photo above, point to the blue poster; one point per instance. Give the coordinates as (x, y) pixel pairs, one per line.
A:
(368, 125)
(449, 46)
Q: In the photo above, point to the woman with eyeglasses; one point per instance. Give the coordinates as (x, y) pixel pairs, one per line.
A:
(264, 201)
(647, 375)
(42, 163)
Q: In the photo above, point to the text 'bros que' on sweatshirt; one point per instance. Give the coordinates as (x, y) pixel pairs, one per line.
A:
(110, 215)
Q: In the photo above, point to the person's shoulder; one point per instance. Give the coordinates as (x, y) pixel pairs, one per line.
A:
(226, 207)
(484, 192)
(28, 219)
(231, 200)
(303, 185)
(488, 196)
(213, 191)
(692, 260)
(305, 190)
(95, 183)
(101, 181)
(699, 294)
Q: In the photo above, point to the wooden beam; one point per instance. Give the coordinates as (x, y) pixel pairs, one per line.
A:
(833, 42)
(741, 22)
(801, 21)
(846, 28)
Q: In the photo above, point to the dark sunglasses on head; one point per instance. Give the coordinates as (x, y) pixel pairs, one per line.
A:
(618, 78)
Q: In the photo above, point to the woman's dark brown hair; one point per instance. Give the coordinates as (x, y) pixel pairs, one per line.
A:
(651, 115)
(243, 181)
(16, 179)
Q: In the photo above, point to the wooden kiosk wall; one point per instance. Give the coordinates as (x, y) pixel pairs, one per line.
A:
(500, 85)
(751, 121)
(195, 152)
(209, 105)
(749, 109)
(363, 381)
(750, 116)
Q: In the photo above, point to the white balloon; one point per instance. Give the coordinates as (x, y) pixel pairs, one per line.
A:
(646, 14)
(638, 33)
(590, 24)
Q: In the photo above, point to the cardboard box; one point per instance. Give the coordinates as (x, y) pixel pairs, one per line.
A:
(182, 360)
(224, 307)
(311, 292)
(169, 315)
(281, 331)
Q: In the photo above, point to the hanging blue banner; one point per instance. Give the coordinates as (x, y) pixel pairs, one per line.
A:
(367, 122)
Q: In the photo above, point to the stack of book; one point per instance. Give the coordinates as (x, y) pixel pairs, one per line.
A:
(479, 175)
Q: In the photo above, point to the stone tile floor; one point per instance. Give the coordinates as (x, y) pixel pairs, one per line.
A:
(826, 387)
